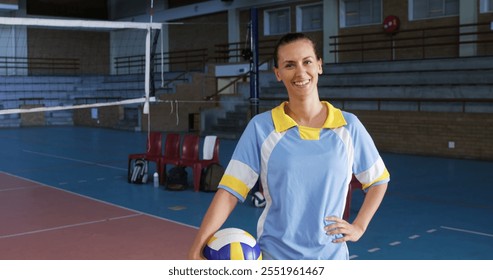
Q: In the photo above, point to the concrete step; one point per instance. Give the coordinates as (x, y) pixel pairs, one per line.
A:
(461, 77)
(394, 91)
(10, 122)
(465, 63)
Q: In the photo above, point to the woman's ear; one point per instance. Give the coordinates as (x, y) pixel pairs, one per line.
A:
(320, 66)
(278, 75)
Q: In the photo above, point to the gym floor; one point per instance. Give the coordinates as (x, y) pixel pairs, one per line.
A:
(64, 195)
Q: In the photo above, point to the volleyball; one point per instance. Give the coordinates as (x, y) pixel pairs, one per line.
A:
(258, 199)
(232, 244)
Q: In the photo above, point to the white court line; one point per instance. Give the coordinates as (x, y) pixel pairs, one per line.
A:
(18, 188)
(73, 159)
(396, 243)
(467, 231)
(373, 250)
(70, 226)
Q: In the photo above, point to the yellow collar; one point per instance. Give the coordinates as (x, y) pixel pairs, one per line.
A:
(283, 122)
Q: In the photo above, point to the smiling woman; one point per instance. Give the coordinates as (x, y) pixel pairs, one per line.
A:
(298, 68)
(304, 152)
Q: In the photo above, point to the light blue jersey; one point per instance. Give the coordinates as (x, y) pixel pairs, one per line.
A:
(305, 173)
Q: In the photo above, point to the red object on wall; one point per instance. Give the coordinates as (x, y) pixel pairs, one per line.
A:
(391, 24)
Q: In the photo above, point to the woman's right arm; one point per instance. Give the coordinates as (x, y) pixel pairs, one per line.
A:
(221, 207)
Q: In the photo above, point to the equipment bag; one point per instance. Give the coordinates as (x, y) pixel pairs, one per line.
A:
(177, 179)
(211, 176)
(139, 172)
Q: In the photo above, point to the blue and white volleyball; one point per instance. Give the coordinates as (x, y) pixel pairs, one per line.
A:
(258, 199)
(232, 244)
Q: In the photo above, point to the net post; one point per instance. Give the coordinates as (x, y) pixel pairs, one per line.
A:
(147, 70)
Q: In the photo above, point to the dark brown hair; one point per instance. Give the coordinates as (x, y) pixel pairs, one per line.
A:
(289, 38)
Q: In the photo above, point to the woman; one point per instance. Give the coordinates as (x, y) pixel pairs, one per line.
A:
(305, 152)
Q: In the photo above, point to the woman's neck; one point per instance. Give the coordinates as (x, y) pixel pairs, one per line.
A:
(311, 114)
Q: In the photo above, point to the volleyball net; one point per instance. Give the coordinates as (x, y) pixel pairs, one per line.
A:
(49, 65)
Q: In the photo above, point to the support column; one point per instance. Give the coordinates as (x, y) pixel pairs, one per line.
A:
(234, 30)
(330, 28)
(163, 43)
(254, 75)
(468, 14)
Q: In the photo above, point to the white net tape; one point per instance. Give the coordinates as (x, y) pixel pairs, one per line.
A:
(78, 23)
(13, 90)
(72, 107)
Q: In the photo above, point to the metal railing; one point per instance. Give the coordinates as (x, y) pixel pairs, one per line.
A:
(419, 43)
(39, 66)
(235, 52)
(185, 60)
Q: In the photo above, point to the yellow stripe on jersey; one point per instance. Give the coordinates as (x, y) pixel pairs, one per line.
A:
(309, 133)
(283, 122)
(235, 184)
(385, 175)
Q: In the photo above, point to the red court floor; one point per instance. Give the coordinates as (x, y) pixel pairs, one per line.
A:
(41, 222)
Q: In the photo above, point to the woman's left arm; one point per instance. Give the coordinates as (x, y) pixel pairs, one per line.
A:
(353, 232)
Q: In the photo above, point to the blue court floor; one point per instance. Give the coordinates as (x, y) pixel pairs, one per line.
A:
(435, 208)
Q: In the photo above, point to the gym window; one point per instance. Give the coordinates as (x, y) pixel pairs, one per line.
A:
(277, 21)
(309, 17)
(486, 6)
(424, 9)
(360, 12)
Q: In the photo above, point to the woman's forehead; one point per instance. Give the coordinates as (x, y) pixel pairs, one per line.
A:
(296, 49)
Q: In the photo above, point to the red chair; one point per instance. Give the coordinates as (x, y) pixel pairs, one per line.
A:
(353, 185)
(189, 151)
(153, 152)
(171, 154)
(210, 155)
(190, 156)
